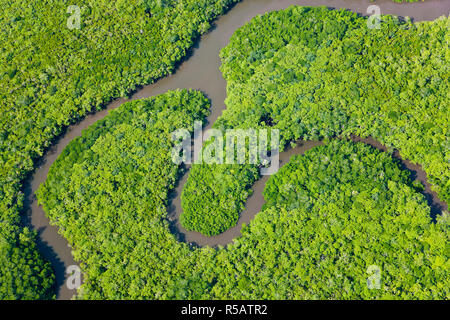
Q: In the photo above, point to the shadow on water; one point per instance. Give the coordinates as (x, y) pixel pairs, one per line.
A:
(45, 248)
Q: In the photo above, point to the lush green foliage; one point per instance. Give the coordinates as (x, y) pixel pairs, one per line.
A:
(51, 75)
(23, 272)
(332, 213)
(355, 207)
(108, 191)
(317, 73)
(222, 190)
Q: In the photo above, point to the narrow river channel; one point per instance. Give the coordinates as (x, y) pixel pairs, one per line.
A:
(201, 71)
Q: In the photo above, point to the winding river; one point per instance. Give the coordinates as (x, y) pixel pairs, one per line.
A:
(201, 71)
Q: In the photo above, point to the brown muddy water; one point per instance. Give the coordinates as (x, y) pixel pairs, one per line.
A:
(201, 71)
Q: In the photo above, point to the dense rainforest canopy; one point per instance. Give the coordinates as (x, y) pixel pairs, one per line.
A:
(316, 73)
(301, 70)
(52, 75)
(330, 214)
